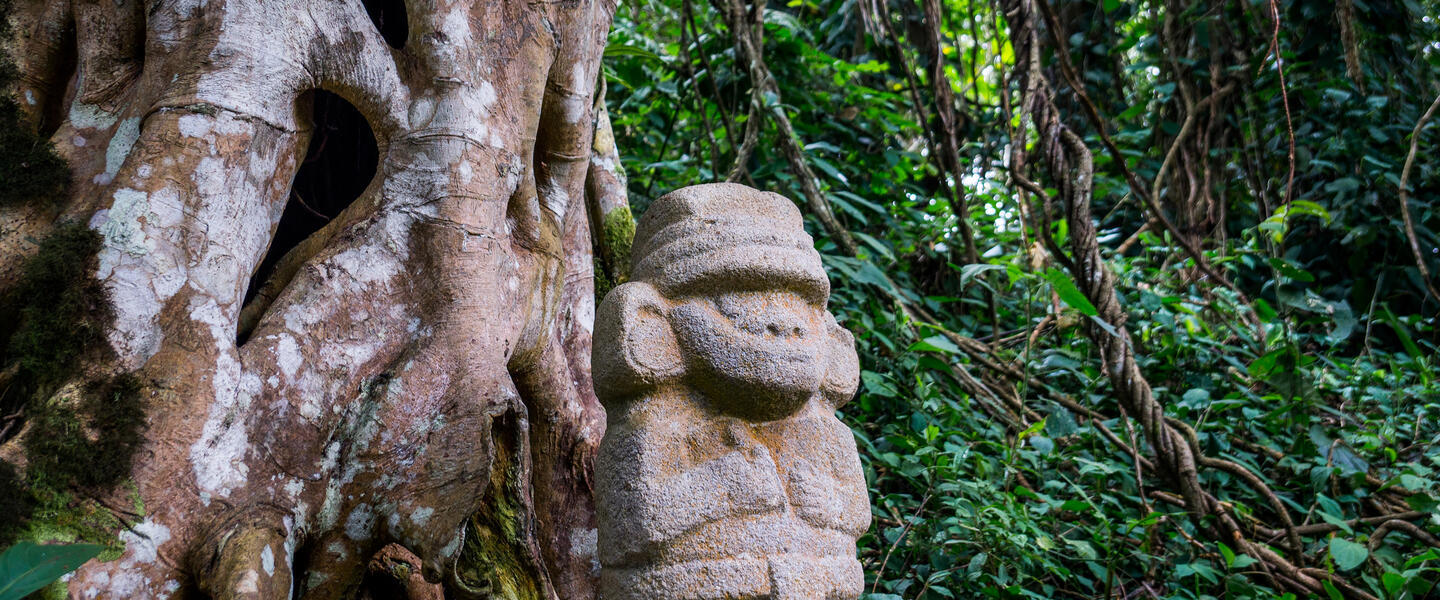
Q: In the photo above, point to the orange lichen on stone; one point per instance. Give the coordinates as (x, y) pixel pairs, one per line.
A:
(724, 472)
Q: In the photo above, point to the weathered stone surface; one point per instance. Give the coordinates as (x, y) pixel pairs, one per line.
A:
(724, 472)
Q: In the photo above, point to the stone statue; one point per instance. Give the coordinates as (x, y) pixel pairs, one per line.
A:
(724, 472)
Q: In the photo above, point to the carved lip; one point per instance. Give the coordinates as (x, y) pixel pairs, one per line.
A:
(770, 351)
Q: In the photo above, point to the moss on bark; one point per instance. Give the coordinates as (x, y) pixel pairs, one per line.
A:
(618, 233)
(80, 437)
(62, 309)
(495, 561)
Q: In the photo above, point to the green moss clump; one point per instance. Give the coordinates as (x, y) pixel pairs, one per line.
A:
(619, 236)
(80, 439)
(89, 445)
(62, 309)
(612, 267)
(495, 559)
(603, 285)
(75, 449)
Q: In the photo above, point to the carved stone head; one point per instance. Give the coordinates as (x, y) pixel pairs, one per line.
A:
(724, 472)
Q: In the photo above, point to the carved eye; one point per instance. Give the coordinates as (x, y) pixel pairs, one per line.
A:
(728, 306)
(741, 306)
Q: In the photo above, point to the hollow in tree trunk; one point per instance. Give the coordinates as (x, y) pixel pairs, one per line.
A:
(401, 385)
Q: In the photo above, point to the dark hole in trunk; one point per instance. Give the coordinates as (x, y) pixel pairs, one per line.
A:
(339, 164)
(389, 17)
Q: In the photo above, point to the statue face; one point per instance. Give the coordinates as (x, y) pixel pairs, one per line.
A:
(758, 355)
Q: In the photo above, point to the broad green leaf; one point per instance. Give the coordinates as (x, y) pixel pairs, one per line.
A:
(1286, 214)
(28, 566)
(1110, 329)
(1033, 429)
(1264, 311)
(935, 343)
(1262, 366)
(1343, 184)
(977, 563)
(1394, 583)
(969, 271)
(621, 51)
(876, 384)
(1069, 294)
(1347, 554)
(1083, 548)
(1042, 444)
(829, 169)
(876, 208)
(1291, 271)
(1197, 396)
(1227, 554)
(878, 246)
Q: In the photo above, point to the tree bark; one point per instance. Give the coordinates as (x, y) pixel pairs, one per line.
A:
(418, 374)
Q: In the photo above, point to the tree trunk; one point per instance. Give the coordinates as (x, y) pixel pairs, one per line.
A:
(415, 379)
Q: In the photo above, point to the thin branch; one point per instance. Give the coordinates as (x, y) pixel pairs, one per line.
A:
(918, 511)
(1190, 117)
(1096, 121)
(748, 41)
(1285, 99)
(1404, 199)
(1407, 527)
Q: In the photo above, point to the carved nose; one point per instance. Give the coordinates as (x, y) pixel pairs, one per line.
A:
(783, 330)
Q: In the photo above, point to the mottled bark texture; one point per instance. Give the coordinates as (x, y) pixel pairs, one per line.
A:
(611, 222)
(416, 380)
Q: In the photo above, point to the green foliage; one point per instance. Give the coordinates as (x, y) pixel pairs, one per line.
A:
(26, 567)
(1331, 398)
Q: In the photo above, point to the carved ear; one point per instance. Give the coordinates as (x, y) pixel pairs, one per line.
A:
(842, 376)
(634, 346)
